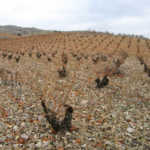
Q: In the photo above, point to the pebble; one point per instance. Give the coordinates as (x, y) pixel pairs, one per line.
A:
(68, 146)
(31, 146)
(68, 133)
(23, 124)
(15, 145)
(39, 144)
(128, 117)
(15, 128)
(83, 146)
(114, 114)
(108, 142)
(45, 143)
(130, 130)
(40, 118)
(24, 136)
(84, 102)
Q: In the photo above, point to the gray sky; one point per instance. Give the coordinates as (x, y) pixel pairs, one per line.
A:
(117, 16)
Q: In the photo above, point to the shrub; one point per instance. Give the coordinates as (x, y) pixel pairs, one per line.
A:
(4, 55)
(95, 58)
(102, 83)
(10, 56)
(17, 59)
(30, 54)
(64, 58)
(49, 59)
(38, 55)
(62, 72)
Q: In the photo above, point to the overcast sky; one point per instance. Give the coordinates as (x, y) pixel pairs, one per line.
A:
(117, 16)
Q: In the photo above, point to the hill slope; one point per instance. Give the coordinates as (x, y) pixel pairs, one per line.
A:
(61, 68)
(17, 30)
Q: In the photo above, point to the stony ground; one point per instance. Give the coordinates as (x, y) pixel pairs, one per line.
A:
(114, 117)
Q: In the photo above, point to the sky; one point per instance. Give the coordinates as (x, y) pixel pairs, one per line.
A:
(114, 16)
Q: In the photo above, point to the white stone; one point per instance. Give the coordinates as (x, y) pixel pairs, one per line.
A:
(24, 136)
(40, 118)
(128, 117)
(15, 128)
(84, 145)
(130, 130)
(23, 124)
(84, 102)
(39, 144)
(45, 143)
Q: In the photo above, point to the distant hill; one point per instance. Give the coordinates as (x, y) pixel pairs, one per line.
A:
(21, 31)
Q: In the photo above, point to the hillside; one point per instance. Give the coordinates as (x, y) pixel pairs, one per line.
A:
(63, 68)
(20, 31)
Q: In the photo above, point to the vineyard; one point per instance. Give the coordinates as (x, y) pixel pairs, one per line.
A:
(68, 68)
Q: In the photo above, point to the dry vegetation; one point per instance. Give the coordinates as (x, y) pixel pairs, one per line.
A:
(60, 68)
